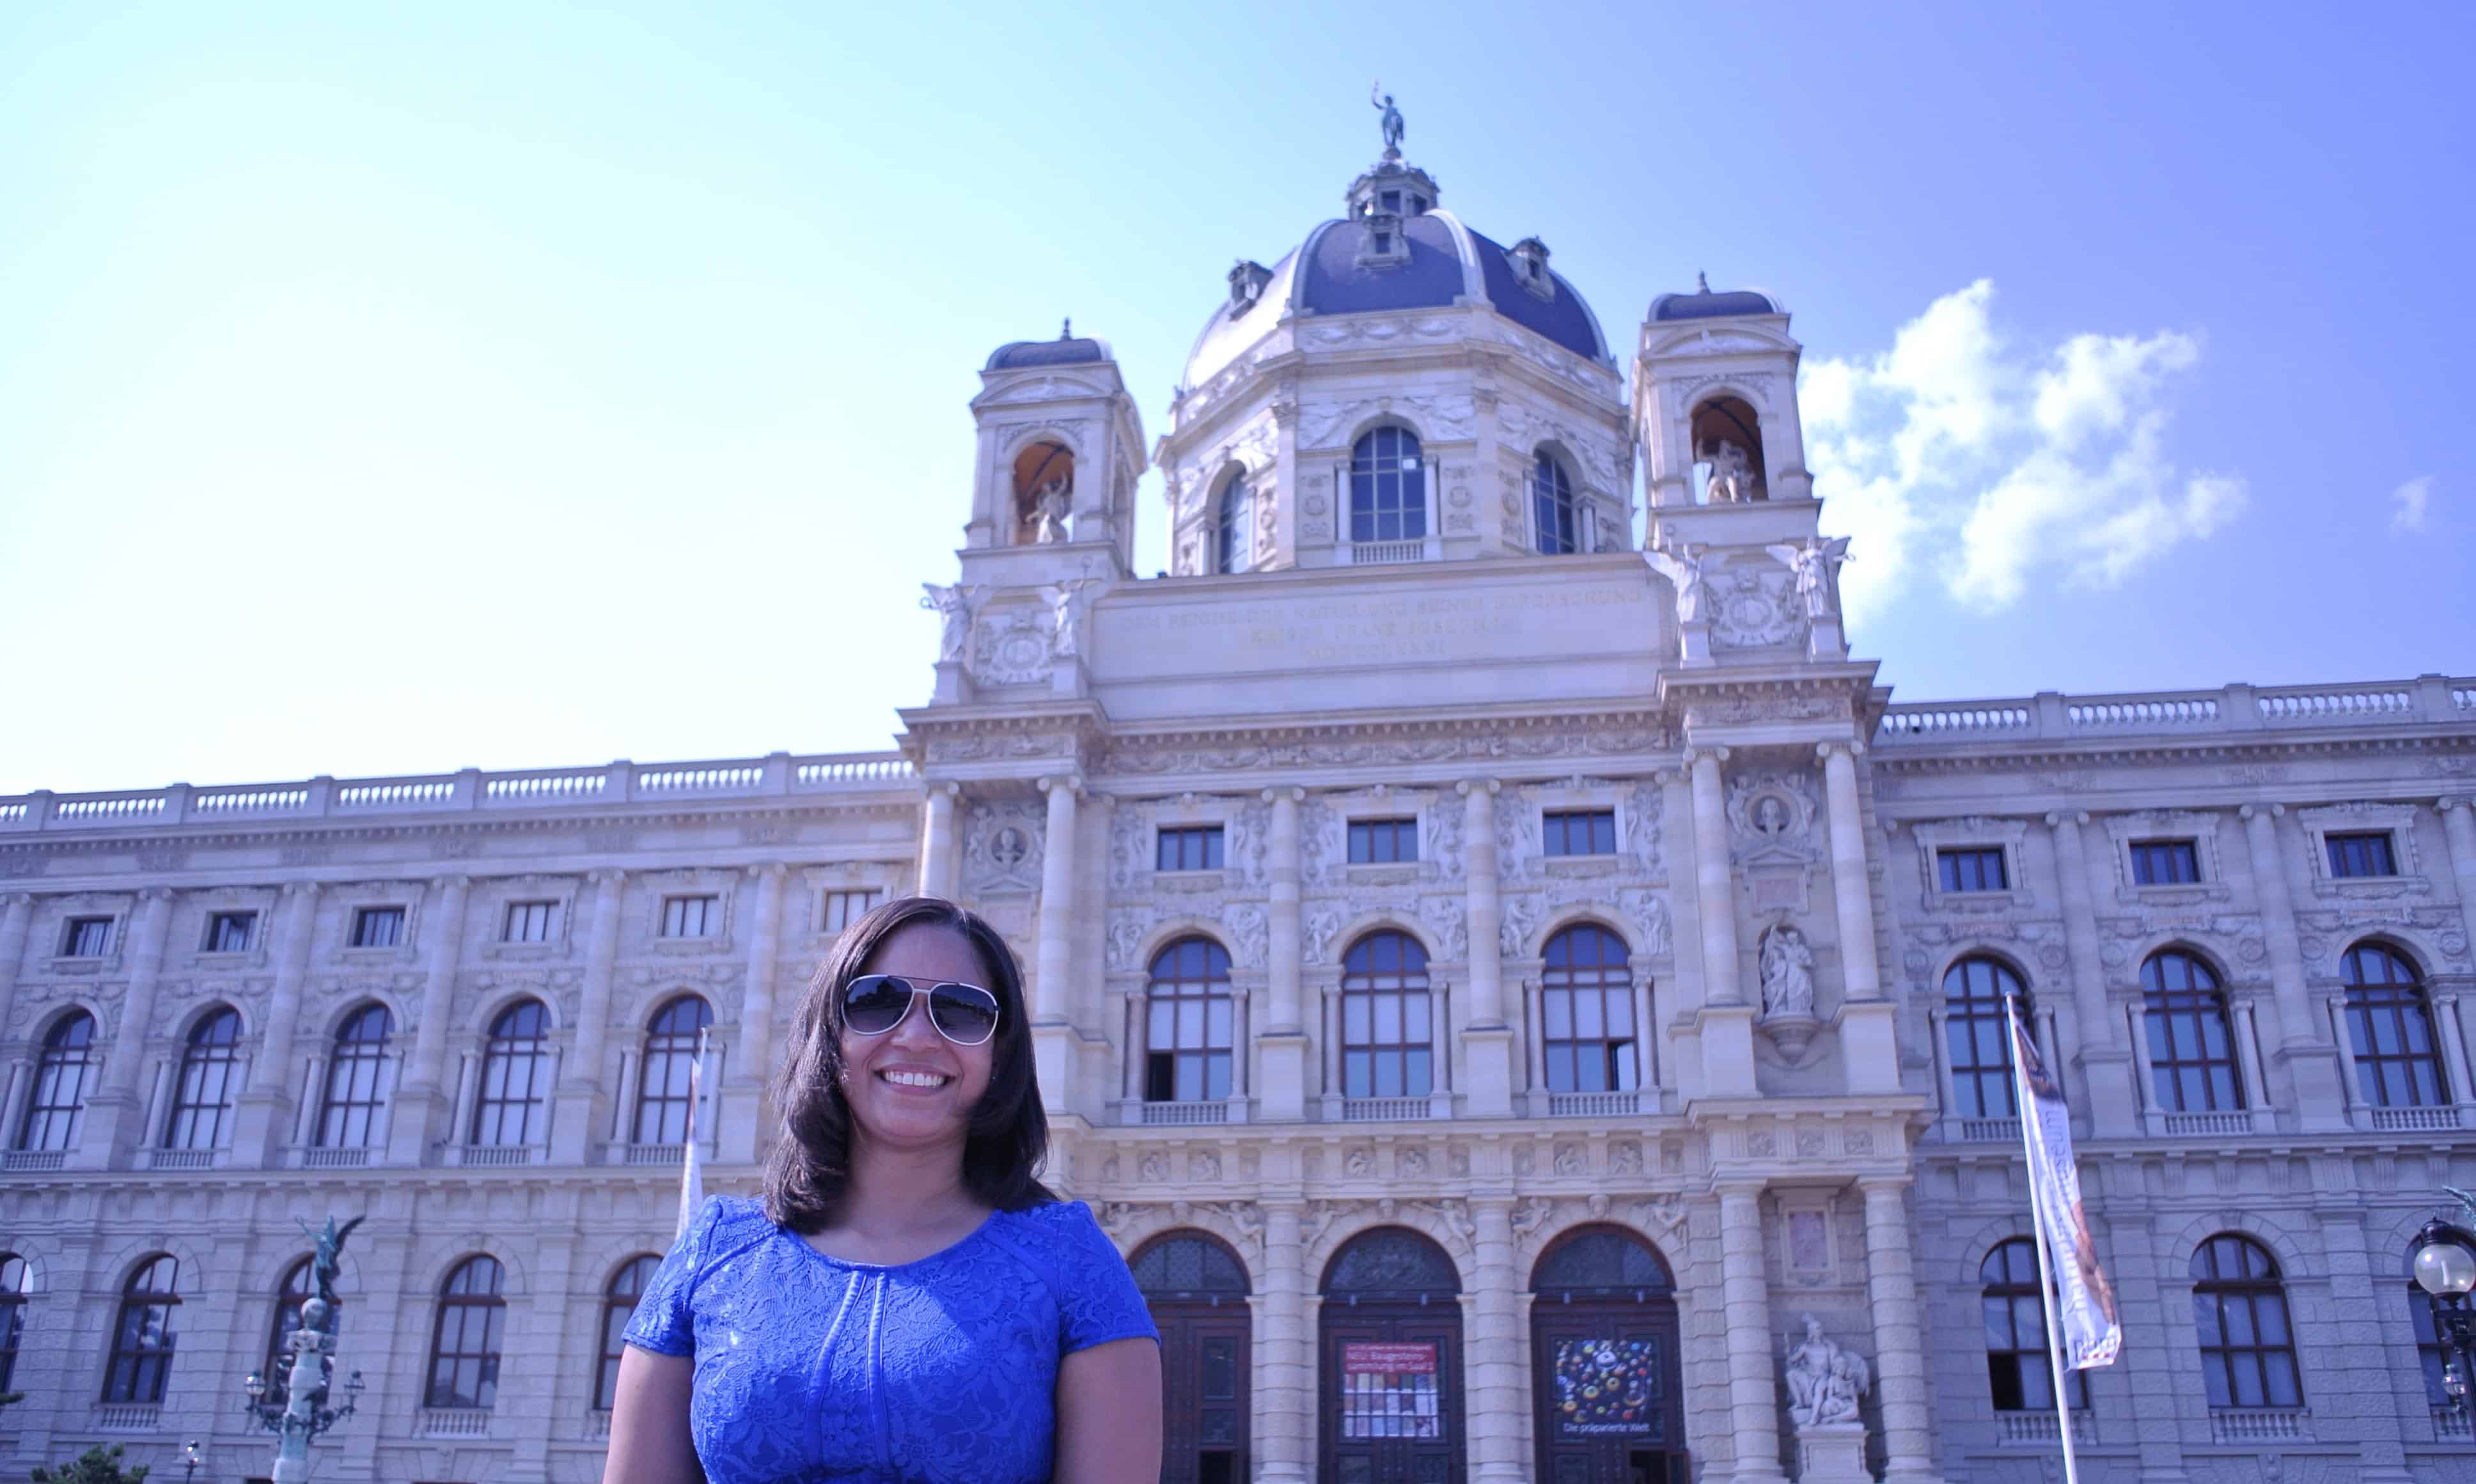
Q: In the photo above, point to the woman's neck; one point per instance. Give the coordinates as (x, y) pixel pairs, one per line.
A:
(897, 1198)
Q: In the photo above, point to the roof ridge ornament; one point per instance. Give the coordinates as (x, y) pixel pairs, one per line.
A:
(1390, 120)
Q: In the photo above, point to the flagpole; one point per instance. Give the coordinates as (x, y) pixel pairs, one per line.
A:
(2045, 1271)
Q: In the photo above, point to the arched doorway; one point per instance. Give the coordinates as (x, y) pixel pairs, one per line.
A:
(1390, 1342)
(1606, 1387)
(1197, 1289)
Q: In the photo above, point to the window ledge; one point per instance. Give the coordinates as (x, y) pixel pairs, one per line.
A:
(524, 951)
(1213, 879)
(1390, 872)
(1979, 902)
(1598, 864)
(80, 963)
(683, 946)
(2178, 894)
(2377, 888)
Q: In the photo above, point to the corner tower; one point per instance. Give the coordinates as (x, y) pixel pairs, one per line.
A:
(1395, 388)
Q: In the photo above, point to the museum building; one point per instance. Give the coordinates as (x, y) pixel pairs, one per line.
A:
(1525, 1000)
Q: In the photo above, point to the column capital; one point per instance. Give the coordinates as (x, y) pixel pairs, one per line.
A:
(607, 876)
(765, 868)
(1704, 749)
(2075, 818)
(15, 899)
(154, 894)
(457, 883)
(1071, 783)
(1750, 1188)
(1849, 745)
(2266, 811)
(947, 786)
(2449, 802)
(1293, 794)
(1465, 785)
(1883, 1184)
(292, 890)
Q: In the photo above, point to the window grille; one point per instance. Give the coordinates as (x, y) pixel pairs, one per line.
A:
(1383, 842)
(515, 1078)
(1387, 1033)
(2397, 1061)
(1579, 831)
(203, 1099)
(464, 1345)
(690, 917)
(2240, 1307)
(663, 1091)
(842, 908)
(142, 1337)
(1973, 868)
(2017, 1366)
(230, 932)
(357, 1081)
(1388, 481)
(378, 927)
(1552, 508)
(57, 1110)
(2193, 1063)
(1979, 1043)
(529, 922)
(2164, 863)
(85, 937)
(1587, 1013)
(2361, 855)
(1187, 1041)
(1189, 848)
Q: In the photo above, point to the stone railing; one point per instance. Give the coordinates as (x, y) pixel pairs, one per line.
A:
(2040, 1427)
(452, 1423)
(128, 1417)
(470, 791)
(2051, 716)
(2260, 1424)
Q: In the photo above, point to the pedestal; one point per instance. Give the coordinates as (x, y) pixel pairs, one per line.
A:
(1283, 1096)
(1869, 1051)
(1832, 1453)
(1487, 1052)
(1728, 1051)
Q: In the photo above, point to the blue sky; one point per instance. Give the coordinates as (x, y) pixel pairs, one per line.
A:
(397, 389)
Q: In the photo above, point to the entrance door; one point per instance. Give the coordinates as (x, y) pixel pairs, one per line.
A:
(1606, 1386)
(1390, 1363)
(1197, 1295)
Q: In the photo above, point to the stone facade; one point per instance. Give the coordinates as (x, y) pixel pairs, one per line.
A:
(1668, 754)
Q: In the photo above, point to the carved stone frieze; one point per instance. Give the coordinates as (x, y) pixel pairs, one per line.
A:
(1001, 846)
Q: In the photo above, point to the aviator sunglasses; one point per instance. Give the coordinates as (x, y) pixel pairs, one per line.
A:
(875, 1003)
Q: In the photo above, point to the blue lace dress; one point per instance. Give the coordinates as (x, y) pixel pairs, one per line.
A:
(943, 1371)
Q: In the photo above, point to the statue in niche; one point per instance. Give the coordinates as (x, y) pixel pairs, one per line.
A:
(1732, 473)
(1389, 119)
(1770, 816)
(1816, 566)
(1824, 1379)
(954, 606)
(1788, 973)
(1008, 847)
(1049, 508)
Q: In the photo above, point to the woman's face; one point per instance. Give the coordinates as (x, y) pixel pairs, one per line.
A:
(911, 1085)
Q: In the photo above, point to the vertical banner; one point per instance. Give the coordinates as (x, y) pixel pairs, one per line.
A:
(691, 1167)
(2092, 1331)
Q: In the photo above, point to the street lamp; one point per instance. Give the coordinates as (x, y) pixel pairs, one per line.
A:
(191, 1458)
(2444, 1265)
(304, 1413)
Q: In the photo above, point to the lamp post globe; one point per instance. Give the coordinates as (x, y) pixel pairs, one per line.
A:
(2443, 1261)
(2446, 1267)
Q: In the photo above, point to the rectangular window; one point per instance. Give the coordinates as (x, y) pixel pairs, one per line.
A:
(1978, 868)
(2164, 862)
(1189, 848)
(690, 917)
(2361, 855)
(85, 937)
(1383, 842)
(1580, 831)
(845, 908)
(378, 927)
(230, 932)
(529, 922)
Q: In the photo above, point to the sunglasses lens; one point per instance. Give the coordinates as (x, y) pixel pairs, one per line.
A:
(965, 1013)
(873, 1003)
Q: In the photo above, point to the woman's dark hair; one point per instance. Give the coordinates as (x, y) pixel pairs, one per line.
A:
(805, 1170)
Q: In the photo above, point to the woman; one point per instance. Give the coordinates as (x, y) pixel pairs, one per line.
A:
(907, 1301)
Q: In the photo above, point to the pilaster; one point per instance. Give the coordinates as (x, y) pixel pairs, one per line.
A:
(581, 1094)
(2304, 1053)
(2114, 1107)
(422, 1109)
(264, 1118)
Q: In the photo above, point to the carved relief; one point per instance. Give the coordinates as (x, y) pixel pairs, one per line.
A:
(1250, 934)
(1001, 846)
(1754, 607)
(1448, 921)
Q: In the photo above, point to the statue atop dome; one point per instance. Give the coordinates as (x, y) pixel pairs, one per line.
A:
(1391, 120)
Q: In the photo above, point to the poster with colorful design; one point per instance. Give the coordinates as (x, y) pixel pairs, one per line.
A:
(1606, 1388)
(1389, 1391)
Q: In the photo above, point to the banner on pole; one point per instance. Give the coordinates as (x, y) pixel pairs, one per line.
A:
(2092, 1332)
(691, 1167)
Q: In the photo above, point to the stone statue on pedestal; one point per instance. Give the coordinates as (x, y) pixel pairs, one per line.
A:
(1816, 566)
(954, 606)
(1732, 475)
(1788, 973)
(1826, 1381)
(1051, 507)
(1390, 120)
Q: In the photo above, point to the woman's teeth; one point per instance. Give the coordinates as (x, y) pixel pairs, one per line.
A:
(915, 1079)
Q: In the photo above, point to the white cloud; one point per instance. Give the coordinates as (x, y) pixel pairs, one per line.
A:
(2412, 498)
(1997, 465)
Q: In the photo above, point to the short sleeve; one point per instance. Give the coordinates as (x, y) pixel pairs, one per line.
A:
(665, 1321)
(1097, 1299)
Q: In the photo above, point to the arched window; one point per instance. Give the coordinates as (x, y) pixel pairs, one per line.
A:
(1727, 453)
(1551, 506)
(141, 1342)
(16, 1281)
(1600, 1262)
(2017, 1368)
(1387, 1033)
(2192, 1046)
(663, 1091)
(464, 1345)
(1233, 525)
(360, 1076)
(1183, 1267)
(202, 1103)
(1973, 993)
(618, 1306)
(300, 1285)
(1586, 1012)
(2247, 1348)
(1188, 1033)
(2396, 1063)
(1388, 488)
(515, 1075)
(1043, 491)
(57, 1110)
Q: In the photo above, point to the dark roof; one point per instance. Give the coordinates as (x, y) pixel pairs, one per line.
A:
(1561, 319)
(1046, 353)
(1707, 305)
(1331, 281)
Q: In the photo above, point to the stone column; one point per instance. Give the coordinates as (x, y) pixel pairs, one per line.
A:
(1284, 1042)
(422, 1114)
(115, 1117)
(1487, 1041)
(2454, 1044)
(937, 842)
(1753, 1396)
(1284, 1381)
(580, 1091)
(741, 1120)
(2458, 826)
(17, 916)
(2105, 1061)
(2307, 1058)
(1496, 1355)
(1901, 1383)
(1053, 1038)
(265, 1122)
(1727, 1020)
(1868, 1032)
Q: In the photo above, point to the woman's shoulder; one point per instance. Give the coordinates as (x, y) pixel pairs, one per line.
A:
(726, 1225)
(1058, 1236)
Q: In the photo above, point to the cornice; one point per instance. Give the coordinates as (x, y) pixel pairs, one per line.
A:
(1913, 759)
